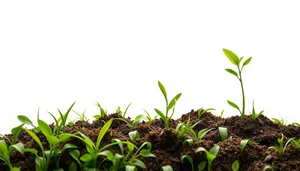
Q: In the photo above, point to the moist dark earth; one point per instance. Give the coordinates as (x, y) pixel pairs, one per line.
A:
(262, 133)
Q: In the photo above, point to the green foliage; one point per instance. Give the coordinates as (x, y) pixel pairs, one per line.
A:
(189, 159)
(81, 116)
(201, 111)
(295, 143)
(183, 128)
(5, 154)
(133, 135)
(243, 144)
(26, 121)
(254, 114)
(235, 60)
(102, 112)
(235, 165)
(134, 123)
(149, 118)
(130, 160)
(165, 117)
(268, 168)
(198, 136)
(296, 124)
(223, 133)
(282, 147)
(210, 155)
(167, 168)
(280, 122)
(119, 111)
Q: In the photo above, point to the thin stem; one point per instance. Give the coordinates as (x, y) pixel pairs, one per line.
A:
(243, 93)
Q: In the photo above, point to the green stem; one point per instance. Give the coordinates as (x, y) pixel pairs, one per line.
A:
(243, 93)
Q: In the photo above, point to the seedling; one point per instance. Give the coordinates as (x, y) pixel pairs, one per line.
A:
(282, 147)
(295, 143)
(268, 168)
(201, 111)
(118, 111)
(210, 155)
(165, 117)
(280, 122)
(254, 114)
(134, 123)
(235, 60)
(189, 158)
(200, 135)
(133, 135)
(183, 128)
(235, 165)
(149, 118)
(26, 121)
(167, 168)
(129, 161)
(243, 144)
(81, 116)
(102, 112)
(223, 133)
(295, 124)
(5, 153)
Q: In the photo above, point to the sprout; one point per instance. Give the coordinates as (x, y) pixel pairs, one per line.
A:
(235, 60)
(235, 165)
(210, 155)
(282, 147)
(223, 133)
(243, 144)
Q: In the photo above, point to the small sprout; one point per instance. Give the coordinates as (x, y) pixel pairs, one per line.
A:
(201, 165)
(235, 60)
(295, 124)
(167, 168)
(183, 128)
(82, 116)
(187, 143)
(148, 117)
(118, 111)
(280, 122)
(254, 114)
(201, 111)
(200, 135)
(137, 120)
(223, 133)
(165, 117)
(134, 135)
(210, 155)
(235, 165)
(268, 168)
(189, 158)
(243, 144)
(221, 114)
(296, 143)
(102, 112)
(282, 147)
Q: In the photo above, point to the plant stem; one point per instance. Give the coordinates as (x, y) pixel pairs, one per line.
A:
(243, 93)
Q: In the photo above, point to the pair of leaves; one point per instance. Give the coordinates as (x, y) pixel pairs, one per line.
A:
(235, 60)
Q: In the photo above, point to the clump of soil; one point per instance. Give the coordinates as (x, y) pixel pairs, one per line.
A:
(168, 148)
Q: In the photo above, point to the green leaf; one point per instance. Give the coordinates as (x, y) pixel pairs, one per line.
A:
(231, 72)
(73, 167)
(203, 132)
(130, 168)
(146, 153)
(15, 169)
(137, 162)
(119, 143)
(235, 165)
(36, 139)
(163, 90)
(134, 135)
(16, 130)
(31, 150)
(23, 119)
(173, 101)
(126, 109)
(102, 132)
(86, 158)
(189, 158)
(3, 149)
(247, 61)
(231, 56)
(167, 168)
(243, 144)
(223, 133)
(19, 147)
(130, 146)
(188, 142)
(45, 128)
(201, 165)
(214, 150)
(163, 117)
(52, 139)
(137, 119)
(233, 105)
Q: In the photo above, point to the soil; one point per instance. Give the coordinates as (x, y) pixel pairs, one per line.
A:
(262, 132)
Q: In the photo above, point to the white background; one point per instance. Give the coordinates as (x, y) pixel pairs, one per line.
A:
(114, 52)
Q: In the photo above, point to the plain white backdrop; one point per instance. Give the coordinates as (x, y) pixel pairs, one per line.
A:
(114, 52)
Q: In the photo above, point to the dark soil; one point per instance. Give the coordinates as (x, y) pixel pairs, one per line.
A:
(168, 149)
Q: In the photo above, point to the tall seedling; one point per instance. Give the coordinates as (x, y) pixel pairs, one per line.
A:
(235, 60)
(165, 117)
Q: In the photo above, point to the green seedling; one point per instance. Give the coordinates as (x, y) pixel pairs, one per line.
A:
(129, 160)
(165, 117)
(235, 60)
(167, 168)
(183, 128)
(5, 153)
(81, 116)
(75, 154)
(243, 144)
(282, 147)
(280, 122)
(223, 133)
(102, 112)
(254, 114)
(133, 135)
(235, 165)
(26, 121)
(221, 114)
(61, 122)
(201, 111)
(295, 124)
(149, 118)
(189, 159)
(210, 155)
(197, 137)
(119, 111)
(268, 168)
(295, 143)
(134, 123)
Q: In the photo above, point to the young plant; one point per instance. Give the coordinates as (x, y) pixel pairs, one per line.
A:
(280, 122)
(235, 165)
(210, 155)
(165, 117)
(201, 111)
(197, 137)
(133, 135)
(295, 143)
(26, 121)
(134, 123)
(189, 158)
(5, 153)
(282, 147)
(102, 112)
(243, 144)
(167, 168)
(129, 160)
(235, 60)
(149, 118)
(118, 111)
(223, 133)
(254, 114)
(183, 128)
(61, 122)
(296, 124)
(81, 116)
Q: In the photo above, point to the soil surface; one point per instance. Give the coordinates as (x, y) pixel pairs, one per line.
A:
(168, 148)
